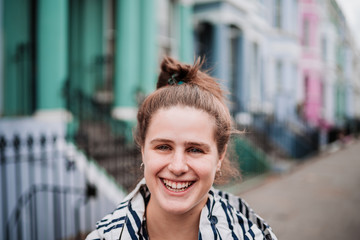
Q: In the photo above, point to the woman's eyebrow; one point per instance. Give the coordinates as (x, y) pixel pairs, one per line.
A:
(162, 140)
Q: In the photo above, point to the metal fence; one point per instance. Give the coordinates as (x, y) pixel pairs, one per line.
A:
(284, 139)
(44, 195)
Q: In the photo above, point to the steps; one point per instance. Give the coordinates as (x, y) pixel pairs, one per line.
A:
(121, 160)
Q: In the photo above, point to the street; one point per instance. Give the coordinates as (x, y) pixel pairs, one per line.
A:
(319, 199)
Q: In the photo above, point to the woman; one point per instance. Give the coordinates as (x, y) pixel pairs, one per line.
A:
(183, 131)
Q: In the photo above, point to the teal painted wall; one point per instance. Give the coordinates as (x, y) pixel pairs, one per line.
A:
(67, 40)
(76, 64)
(340, 101)
(127, 71)
(185, 24)
(148, 46)
(1, 59)
(18, 58)
(52, 53)
(93, 50)
(86, 50)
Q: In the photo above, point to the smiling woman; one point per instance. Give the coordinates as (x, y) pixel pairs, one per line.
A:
(190, 156)
(183, 131)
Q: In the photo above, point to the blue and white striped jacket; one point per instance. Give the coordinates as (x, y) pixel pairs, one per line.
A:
(224, 216)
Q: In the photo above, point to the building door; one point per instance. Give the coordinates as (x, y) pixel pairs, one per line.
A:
(87, 44)
(204, 43)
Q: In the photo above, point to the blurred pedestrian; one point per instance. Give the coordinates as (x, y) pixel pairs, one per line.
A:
(183, 131)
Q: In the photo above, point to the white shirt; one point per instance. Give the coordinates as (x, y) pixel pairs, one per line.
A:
(224, 216)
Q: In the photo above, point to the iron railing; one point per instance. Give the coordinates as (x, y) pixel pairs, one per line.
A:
(280, 138)
(43, 194)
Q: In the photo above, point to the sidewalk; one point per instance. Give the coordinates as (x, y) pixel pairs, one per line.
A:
(319, 199)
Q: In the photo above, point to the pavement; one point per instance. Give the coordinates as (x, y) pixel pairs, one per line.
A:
(318, 199)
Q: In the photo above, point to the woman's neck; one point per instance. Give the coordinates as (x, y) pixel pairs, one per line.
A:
(164, 225)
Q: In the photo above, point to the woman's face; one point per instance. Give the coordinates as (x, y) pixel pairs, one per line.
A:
(181, 158)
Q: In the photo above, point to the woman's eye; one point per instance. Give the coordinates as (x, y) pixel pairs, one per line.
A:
(163, 147)
(195, 150)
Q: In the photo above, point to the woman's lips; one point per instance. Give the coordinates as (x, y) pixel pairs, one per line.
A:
(176, 186)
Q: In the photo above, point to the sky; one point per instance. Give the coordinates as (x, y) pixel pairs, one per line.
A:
(351, 9)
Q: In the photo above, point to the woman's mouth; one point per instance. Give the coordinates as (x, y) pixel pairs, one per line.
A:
(176, 186)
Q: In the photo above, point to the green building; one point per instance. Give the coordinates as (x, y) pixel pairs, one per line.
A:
(107, 49)
(80, 67)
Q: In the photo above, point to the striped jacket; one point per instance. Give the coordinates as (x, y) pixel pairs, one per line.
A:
(224, 216)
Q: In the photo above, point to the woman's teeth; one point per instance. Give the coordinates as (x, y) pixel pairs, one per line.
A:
(176, 186)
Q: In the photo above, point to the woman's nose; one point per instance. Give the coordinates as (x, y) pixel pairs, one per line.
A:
(178, 164)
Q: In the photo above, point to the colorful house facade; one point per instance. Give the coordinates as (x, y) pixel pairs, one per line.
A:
(106, 48)
(72, 74)
(311, 62)
(78, 69)
(283, 59)
(231, 35)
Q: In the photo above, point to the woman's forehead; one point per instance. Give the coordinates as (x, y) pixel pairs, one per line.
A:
(189, 122)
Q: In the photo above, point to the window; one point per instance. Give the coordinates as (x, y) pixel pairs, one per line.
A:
(294, 18)
(255, 74)
(235, 38)
(255, 63)
(306, 33)
(204, 43)
(278, 13)
(279, 80)
(165, 22)
(323, 49)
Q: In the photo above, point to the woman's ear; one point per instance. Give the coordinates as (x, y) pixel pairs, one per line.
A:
(142, 152)
(222, 157)
(142, 159)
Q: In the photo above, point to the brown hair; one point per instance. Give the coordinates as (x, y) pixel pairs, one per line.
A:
(193, 88)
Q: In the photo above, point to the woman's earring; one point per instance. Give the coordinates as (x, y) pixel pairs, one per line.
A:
(142, 166)
(219, 173)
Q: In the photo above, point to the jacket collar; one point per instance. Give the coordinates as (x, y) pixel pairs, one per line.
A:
(135, 223)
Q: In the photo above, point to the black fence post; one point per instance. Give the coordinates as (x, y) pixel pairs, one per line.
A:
(18, 182)
(3, 183)
(56, 204)
(31, 169)
(44, 173)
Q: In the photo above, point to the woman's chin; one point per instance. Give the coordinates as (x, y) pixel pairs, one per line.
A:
(177, 211)
(181, 206)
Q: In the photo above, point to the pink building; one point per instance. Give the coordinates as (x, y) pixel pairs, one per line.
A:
(311, 61)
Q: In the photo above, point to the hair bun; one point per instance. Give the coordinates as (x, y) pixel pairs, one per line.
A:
(172, 71)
